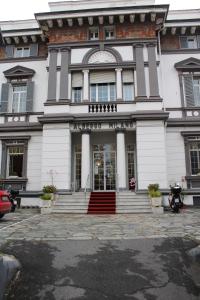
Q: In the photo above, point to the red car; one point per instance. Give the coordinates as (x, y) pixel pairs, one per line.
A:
(5, 204)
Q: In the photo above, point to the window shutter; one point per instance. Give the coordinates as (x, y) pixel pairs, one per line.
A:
(33, 49)
(4, 97)
(9, 51)
(102, 77)
(198, 41)
(183, 42)
(189, 93)
(127, 76)
(77, 80)
(29, 97)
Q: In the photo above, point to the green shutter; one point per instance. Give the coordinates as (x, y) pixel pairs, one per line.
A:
(9, 51)
(33, 49)
(183, 42)
(29, 97)
(198, 41)
(4, 97)
(189, 92)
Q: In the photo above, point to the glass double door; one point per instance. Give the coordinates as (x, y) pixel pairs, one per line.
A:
(104, 170)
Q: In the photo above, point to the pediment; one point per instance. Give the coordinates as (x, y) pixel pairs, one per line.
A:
(188, 64)
(19, 71)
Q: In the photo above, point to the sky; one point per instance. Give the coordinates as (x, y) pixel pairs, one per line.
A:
(25, 9)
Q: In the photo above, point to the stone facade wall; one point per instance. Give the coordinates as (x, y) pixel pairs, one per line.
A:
(170, 42)
(80, 33)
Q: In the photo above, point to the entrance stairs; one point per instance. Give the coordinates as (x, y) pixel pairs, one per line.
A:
(102, 203)
(129, 203)
(71, 203)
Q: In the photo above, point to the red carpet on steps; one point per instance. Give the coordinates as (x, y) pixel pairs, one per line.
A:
(102, 203)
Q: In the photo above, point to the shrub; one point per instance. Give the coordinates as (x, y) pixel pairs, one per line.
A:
(46, 197)
(49, 189)
(153, 190)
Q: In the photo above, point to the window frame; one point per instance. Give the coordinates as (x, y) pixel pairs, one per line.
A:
(132, 89)
(196, 41)
(190, 137)
(93, 30)
(109, 29)
(73, 94)
(7, 142)
(97, 85)
(23, 51)
(9, 155)
(19, 98)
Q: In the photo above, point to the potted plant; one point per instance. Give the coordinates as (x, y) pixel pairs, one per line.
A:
(51, 190)
(155, 195)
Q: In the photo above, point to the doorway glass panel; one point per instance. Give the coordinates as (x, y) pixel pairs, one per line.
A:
(104, 170)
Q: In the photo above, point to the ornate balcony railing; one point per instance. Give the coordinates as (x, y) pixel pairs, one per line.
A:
(102, 108)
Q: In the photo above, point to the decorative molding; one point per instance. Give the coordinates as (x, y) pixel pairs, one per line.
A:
(19, 71)
(191, 63)
(113, 52)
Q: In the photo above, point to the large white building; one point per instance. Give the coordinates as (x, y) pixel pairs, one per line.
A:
(96, 92)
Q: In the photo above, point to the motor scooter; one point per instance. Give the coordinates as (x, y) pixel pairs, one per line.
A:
(14, 199)
(175, 198)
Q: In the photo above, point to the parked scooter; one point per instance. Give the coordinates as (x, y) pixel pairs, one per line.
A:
(14, 199)
(175, 199)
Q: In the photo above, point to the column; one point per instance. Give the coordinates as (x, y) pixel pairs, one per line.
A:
(85, 85)
(119, 83)
(64, 74)
(52, 81)
(141, 84)
(153, 73)
(85, 159)
(121, 159)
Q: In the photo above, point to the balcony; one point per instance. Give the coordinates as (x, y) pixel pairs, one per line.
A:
(102, 108)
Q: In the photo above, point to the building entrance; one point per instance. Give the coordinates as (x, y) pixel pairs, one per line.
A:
(104, 170)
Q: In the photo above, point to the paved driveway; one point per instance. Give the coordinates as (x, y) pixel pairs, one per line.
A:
(114, 257)
(34, 226)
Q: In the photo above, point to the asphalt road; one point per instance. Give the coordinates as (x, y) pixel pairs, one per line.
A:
(96, 270)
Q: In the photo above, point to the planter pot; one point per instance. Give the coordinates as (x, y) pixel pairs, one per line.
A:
(46, 203)
(156, 202)
(45, 210)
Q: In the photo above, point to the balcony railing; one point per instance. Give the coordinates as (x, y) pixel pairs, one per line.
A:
(102, 108)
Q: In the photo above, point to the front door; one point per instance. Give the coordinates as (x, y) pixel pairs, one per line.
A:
(104, 170)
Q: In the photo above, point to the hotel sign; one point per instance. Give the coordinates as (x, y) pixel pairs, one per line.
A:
(103, 126)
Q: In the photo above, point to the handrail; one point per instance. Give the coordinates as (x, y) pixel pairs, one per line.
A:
(85, 190)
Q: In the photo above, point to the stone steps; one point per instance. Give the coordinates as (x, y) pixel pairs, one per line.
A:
(126, 202)
(71, 203)
(129, 202)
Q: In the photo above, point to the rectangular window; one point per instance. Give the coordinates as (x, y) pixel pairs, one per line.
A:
(77, 94)
(19, 98)
(22, 52)
(195, 158)
(15, 161)
(109, 33)
(189, 42)
(102, 92)
(128, 92)
(93, 34)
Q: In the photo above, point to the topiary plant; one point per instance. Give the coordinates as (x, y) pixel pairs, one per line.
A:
(49, 189)
(46, 197)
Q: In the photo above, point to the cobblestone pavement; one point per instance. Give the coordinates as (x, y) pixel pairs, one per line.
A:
(33, 226)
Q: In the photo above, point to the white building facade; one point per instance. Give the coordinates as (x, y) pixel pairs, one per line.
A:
(94, 93)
